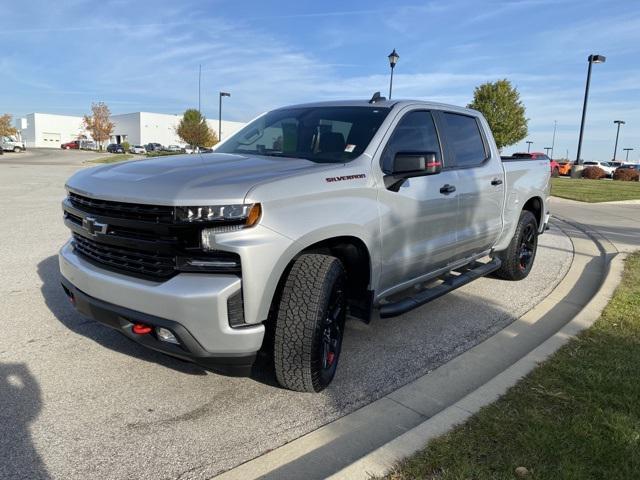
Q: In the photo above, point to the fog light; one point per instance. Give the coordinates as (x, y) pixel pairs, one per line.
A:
(166, 335)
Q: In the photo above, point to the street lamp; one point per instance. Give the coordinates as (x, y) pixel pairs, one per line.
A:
(222, 94)
(615, 149)
(529, 143)
(591, 59)
(547, 150)
(393, 59)
(627, 150)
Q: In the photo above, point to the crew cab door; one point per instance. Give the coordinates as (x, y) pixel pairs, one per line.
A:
(480, 182)
(418, 221)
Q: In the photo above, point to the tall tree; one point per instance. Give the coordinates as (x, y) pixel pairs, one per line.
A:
(6, 129)
(194, 130)
(99, 122)
(500, 104)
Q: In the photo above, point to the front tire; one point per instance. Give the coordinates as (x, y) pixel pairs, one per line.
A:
(517, 259)
(555, 173)
(310, 323)
(16, 149)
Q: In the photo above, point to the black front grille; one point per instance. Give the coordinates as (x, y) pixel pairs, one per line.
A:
(140, 240)
(132, 211)
(140, 263)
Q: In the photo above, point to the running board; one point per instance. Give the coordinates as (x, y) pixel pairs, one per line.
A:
(450, 283)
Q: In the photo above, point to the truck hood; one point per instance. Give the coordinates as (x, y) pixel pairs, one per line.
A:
(213, 178)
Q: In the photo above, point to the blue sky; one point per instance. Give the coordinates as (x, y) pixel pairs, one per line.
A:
(58, 57)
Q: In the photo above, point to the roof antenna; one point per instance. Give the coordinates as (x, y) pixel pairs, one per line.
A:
(376, 98)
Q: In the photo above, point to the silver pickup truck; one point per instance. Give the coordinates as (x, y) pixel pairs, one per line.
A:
(309, 214)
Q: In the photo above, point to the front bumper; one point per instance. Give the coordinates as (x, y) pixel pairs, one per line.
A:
(192, 305)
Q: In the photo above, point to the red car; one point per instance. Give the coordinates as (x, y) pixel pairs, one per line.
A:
(74, 145)
(555, 166)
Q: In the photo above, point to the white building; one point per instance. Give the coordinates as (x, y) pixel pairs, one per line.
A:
(47, 130)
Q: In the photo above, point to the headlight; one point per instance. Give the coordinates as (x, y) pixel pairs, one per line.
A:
(220, 213)
(230, 217)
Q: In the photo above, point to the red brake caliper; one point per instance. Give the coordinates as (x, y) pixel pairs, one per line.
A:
(330, 358)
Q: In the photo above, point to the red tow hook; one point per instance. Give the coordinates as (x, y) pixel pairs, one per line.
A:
(141, 329)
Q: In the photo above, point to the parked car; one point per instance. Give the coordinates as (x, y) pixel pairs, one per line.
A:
(606, 166)
(138, 149)
(10, 144)
(115, 148)
(173, 148)
(632, 166)
(345, 208)
(153, 147)
(565, 168)
(206, 150)
(554, 167)
(190, 149)
(72, 145)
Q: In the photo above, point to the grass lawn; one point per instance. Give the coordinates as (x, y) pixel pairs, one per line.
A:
(112, 158)
(594, 190)
(577, 416)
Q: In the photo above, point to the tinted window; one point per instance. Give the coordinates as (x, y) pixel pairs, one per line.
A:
(416, 132)
(320, 134)
(464, 140)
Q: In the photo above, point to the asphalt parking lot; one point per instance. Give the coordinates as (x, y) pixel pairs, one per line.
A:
(78, 400)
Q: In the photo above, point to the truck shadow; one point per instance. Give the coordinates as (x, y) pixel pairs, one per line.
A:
(20, 404)
(58, 304)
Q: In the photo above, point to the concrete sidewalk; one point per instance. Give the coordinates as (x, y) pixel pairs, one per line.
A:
(359, 444)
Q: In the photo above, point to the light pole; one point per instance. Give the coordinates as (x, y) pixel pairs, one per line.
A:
(591, 59)
(393, 59)
(553, 142)
(547, 150)
(615, 149)
(199, 77)
(529, 143)
(222, 94)
(627, 150)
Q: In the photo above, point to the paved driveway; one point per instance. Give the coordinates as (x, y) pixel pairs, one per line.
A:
(48, 156)
(79, 401)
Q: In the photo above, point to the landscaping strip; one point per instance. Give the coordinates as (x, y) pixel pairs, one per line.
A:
(594, 191)
(113, 158)
(576, 416)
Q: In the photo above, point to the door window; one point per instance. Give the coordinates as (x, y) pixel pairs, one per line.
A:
(464, 140)
(416, 132)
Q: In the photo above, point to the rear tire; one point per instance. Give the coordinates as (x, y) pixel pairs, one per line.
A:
(310, 323)
(555, 173)
(518, 258)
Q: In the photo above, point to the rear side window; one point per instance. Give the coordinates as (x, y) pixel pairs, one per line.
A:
(416, 132)
(464, 140)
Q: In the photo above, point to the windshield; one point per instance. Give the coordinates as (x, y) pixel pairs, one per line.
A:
(319, 134)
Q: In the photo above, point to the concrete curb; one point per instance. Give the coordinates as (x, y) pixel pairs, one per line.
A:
(371, 439)
(381, 460)
(615, 202)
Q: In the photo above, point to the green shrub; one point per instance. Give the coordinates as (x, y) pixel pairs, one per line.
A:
(126, 146)
(594, 173)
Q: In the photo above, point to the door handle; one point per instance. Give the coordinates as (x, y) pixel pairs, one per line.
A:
(447, 189)
(496, 181)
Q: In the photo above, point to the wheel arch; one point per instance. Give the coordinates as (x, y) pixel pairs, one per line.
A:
(535, 205)
(355, 255)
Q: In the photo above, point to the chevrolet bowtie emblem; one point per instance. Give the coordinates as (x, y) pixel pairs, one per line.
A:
(94, 227)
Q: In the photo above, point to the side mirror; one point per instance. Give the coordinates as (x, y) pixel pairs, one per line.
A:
(411, 164)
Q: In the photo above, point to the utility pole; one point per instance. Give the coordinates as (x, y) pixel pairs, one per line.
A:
(553, 142)
(199, 77)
